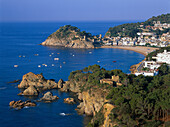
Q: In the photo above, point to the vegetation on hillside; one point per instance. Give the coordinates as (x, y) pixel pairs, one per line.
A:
(90, 77)
(131, 29)
(164, 18)
(145, 101)
(140, 101)
(67, 30)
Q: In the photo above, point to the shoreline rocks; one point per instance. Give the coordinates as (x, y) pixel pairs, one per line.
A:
(21, 104)
(48, 97)
(69, 100)
(30, 91)
(38, 81)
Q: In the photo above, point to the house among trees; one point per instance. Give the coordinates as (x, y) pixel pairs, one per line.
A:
(113, 81)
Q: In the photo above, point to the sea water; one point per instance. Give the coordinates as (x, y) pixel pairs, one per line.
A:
(19, 46)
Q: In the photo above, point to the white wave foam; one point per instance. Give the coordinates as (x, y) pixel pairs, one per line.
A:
(62, 114)
(26, 107)
(2, 88)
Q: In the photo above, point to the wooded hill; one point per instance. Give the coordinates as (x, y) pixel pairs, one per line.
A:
(131, 29)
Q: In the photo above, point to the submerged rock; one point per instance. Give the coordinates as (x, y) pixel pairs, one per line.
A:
(21, 104)
(48, 97)
(15, 81)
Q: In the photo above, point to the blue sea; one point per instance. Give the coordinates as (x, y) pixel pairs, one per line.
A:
(22, 39)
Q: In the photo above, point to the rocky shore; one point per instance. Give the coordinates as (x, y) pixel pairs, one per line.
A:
(91, 102)
(21, 104)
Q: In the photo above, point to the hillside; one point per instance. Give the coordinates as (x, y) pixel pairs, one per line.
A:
(131, 29)
(164, 18)
(139, 101)
(70, 36)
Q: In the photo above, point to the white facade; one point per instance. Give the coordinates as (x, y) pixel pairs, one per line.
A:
(147, 73)
(146, 33)
(142, 43)
(163, 57)
(151, 65)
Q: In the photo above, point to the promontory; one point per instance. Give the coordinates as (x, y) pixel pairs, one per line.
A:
(70, 36)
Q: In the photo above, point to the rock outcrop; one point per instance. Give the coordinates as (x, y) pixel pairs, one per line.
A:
(30, 91)
(21, 104)
(60, 83)
(69, 100)
(38, 81)
(69, 36)
(91, 103)
(92, 100)
(48, 97)
(107, 108)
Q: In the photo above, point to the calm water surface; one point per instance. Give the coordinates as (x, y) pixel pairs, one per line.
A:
(23, 39)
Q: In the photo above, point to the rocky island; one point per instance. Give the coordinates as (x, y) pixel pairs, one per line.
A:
(70, 36)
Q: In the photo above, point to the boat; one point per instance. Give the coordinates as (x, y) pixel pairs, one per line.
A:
(56, 58)
(62, 114)
(15, 65)
(39, 65)
(36, 54)
(113, 61)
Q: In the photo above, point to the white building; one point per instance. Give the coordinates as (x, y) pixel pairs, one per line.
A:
(145, 33)
(146, 73)
(163, 57)
(151, 65)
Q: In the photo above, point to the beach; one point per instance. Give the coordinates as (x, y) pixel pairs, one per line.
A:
(138, 49)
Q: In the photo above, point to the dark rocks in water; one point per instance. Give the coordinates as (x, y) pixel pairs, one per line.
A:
(48, 97)
(21, 104)
(15, 81)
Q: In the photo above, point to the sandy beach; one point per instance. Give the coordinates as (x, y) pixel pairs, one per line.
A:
(138, 49)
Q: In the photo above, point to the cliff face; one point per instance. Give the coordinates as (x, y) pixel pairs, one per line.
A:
(69, 36)
(91, 103)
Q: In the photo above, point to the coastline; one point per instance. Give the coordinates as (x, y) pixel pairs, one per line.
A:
(139, 49)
